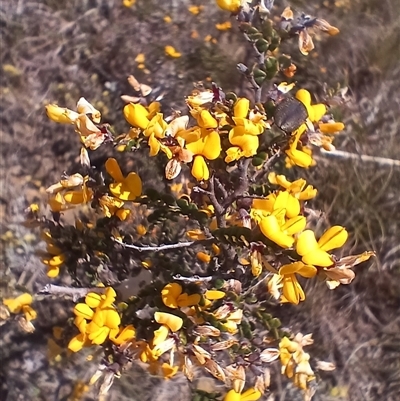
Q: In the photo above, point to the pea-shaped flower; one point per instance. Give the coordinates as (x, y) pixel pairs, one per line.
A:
(124, 188)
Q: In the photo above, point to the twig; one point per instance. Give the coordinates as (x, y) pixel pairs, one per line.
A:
(220, 187)
(267, 166)
(75, 293)
(157, 248)
(193, 279)
(382, 161)
(243, 184)
(219, 211)
(253, 287)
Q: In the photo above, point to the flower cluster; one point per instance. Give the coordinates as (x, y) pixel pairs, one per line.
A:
(295, 362)
(21, 304)
(199, 305)
(97, 320)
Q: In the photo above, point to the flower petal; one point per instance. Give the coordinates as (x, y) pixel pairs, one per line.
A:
(270, 228)
(306, 243)
(77, 342)
(292, 290)
(241, 108)
(136, 115)
(318, 257)
(127, 333)
(200, 169)
(214, 294)
(212, 145)
(114, 170)
(98, 337)
(206, 120)
(173, 322)
(185, 300)
(170, 293)
(333, 238)
(160, 335)
(294, 225)
(84, 311)
(250, 395)
(112, 318)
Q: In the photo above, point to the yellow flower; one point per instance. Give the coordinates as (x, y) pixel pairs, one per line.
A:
(256, 263)
(296, 189)
(244, 136)
(173, 322)
(207, 145)
(282, 232)
(214, 294)
(128, 3)
(125, 188)
(136, 115)
(155, 130)
(61, 114)
(82, 195)
(84, 107)
(172, 52)
(169, 371)
(233, 6)
(204, 257)
(84, 120)
(292, 291)
(21, 304)
(300, 157)
(156, 126)
(113, 207)
(315, 253)
(331, 127)
(125, 334)
(196, 235)
(195, 9)
(249, 395)
(316, 111)
(173, 297)
(224, 26)
(295, 362)
(53, 264)
(141, 230)
(140, 58)
(200, 169)
(245, 145)
(104, 321)
(160, 335)
(252, 122)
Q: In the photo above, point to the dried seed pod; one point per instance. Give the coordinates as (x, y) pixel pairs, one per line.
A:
(290, 113)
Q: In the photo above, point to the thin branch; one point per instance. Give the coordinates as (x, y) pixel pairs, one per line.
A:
(242, 186)
(220, 187)
(267, 166)
(250, 197)
(158, 248)
(75, 293)
(253, 287)
(219, 211)
(194, 279)
(382, 161)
